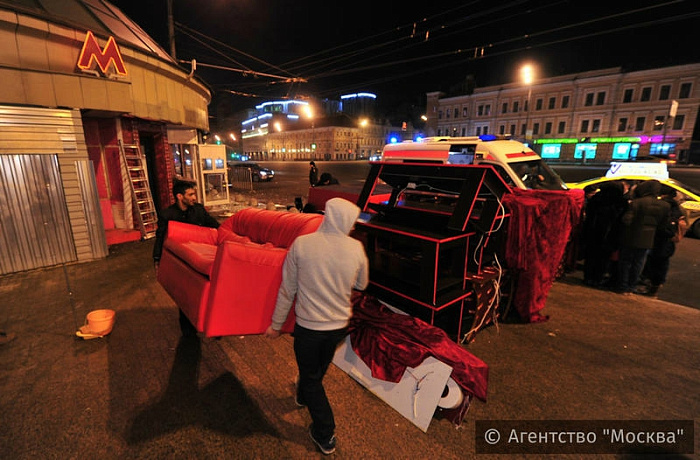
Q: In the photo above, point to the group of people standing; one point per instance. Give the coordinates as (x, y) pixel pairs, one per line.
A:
(629, 235)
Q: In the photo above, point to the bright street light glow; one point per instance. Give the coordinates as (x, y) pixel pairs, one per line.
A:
(527, 72)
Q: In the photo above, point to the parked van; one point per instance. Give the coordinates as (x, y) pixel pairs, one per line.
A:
(519, 165)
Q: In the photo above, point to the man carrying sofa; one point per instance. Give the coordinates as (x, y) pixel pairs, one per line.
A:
(187, 210)
(320, 272)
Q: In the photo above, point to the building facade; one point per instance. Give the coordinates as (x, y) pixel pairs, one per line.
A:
(596, 116)
(80, 81)
(293, 130)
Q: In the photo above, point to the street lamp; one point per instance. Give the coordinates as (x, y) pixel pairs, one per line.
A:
(310, 115)
(278, 128)
(527, 73)
(363, 123)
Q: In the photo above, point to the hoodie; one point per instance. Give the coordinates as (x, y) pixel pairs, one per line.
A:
(321, 270)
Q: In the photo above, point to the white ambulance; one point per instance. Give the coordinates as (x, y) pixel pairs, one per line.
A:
(518, 164)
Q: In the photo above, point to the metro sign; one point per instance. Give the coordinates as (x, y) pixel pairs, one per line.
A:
(92, 53)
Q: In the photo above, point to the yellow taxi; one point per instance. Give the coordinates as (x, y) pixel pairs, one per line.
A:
(633, 173)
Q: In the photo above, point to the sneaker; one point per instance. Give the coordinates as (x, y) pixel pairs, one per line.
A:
(326, 447)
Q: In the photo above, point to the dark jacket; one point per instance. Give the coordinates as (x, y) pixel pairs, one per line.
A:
(664, 246)
(195, 215)
(601, 226)
(646, 215)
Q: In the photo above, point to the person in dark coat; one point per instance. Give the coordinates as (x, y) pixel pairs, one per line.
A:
(313, 174)
(645, 215)
(658, 261)
(187, 210)
(601, 231)
(327, 179)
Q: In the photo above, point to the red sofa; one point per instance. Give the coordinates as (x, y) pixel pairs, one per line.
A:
(226, 280)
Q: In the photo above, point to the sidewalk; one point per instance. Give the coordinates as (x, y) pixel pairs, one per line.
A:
(141, 392)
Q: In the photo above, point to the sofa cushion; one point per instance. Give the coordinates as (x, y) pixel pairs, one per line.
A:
(199, 256)
(265, 226)
(227, 235)
(180, 231)
(291, 225)
(244, 289)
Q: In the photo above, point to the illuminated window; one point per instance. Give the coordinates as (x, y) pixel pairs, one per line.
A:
(662, 149)
(624, 151)
(585, 149)
(551, 151)
(659, 122)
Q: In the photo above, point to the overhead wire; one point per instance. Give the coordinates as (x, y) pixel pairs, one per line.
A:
(470, 53)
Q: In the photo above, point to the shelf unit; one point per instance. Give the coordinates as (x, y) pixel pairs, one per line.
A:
(421, 240)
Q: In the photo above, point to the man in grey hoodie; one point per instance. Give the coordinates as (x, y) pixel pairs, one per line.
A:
(320, 271)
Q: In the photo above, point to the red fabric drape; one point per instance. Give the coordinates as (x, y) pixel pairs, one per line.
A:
(388, 342)
(538, 232)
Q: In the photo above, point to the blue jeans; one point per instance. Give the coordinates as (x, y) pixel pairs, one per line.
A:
(314, 352)
(630, 268)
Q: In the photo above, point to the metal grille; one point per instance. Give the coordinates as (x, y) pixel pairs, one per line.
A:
(34, 226)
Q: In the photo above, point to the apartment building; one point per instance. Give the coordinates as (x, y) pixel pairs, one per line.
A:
(596, 116)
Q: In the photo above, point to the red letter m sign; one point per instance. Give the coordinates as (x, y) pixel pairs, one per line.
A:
(92, 52)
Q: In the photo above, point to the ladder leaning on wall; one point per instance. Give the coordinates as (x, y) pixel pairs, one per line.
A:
(135, 177)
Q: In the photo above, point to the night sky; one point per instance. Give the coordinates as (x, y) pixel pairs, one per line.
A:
(341, 47)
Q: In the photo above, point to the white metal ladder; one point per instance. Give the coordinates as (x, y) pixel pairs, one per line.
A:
(135, 172)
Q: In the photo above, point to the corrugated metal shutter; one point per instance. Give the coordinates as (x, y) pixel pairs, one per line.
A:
(34, 224)
(91, 206)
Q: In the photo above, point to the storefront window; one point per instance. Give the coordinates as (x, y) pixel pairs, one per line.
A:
(551, 150)
(662, 149)
(214, 186)
(624, 151)
(182, 159)
(585, 149)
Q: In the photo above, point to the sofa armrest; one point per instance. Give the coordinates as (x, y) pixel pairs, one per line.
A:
(180, 231)
(245, 281)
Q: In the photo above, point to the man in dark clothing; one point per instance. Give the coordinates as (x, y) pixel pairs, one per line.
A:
(659, 258)
(601, 231)
(187, 210)
(646, 215)
(313, 174)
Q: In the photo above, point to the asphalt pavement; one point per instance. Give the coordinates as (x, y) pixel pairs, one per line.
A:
(142, 392)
